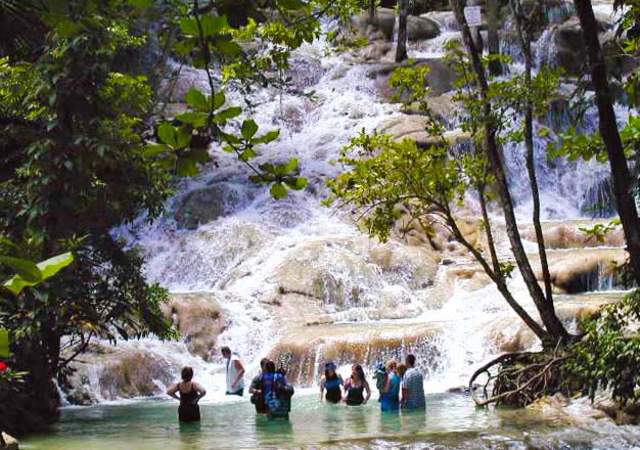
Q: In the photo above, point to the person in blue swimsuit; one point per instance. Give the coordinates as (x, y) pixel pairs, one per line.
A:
(331, 383)
(390, 399)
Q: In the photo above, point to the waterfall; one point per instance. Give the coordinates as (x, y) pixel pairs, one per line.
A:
(297, 278)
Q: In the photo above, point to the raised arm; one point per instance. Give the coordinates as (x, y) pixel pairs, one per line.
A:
(368, 390)
(200, 390)
(173, 391)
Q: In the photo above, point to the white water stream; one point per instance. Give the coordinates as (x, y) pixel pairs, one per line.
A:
(238, 258)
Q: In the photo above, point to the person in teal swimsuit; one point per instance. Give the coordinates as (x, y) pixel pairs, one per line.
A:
(390, 399)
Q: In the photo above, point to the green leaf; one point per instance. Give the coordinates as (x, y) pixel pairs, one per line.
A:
(5, 351)
(266, 138)
(187, 167)
(183, 137)
(223, 116)
(291, 166)
(152, 150)
(168, 134)
(48, 268)
(199, 155)
(278, 191)
(211, 25)
(298, 183)
(229, 48)
(141, 4)
(197, 119)
(247, 154)
(249, 128)
(26, 269)
(197, 100)
(218, 100)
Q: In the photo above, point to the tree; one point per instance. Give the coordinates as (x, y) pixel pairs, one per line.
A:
(554, 328)
(493, 36)
(401, 45)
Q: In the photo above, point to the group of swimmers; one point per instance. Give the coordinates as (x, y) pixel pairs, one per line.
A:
(400, 386)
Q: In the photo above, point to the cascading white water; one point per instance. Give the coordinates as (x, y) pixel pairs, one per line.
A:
(241, 257)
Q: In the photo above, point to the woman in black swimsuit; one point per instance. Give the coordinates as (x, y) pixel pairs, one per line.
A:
(356, 386)
(190, 394)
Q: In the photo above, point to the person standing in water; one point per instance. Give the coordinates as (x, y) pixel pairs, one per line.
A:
(390, 398)
(413, 386)
(234, 372)
(190, 394)
(355, 387)
(331, 382)
(277, 392)
(257, 396)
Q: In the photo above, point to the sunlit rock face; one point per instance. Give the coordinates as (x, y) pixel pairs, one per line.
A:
(305, 350)
(199, 319)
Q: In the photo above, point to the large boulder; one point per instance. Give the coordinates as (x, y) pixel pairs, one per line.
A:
(206, 204)
(414, 127)
(585, 270)
(440, 79)
(384, 21)
(568, 235)
(444, 19)
(199, 319)
(421, 28)
(304, 71)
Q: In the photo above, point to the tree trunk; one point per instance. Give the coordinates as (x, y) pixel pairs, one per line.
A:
(372, 11)
(525, 43)
(401, 46)
(622, 184)
(545, 308)
(493, 38)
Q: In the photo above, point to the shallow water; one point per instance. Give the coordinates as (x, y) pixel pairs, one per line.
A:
(451, 421)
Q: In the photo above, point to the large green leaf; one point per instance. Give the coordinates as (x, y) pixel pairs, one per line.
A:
(26, 269)
(167, 134)
(249, 128)
(48, 268)
(267, 137)
(211, 25)
(278, 191)
(197, 119)
(197, 100)
(226, 114)
(291, 4)
(5, 351)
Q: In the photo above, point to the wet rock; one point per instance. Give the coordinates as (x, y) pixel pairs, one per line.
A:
(376, 50)
(199, 319)
(180, 80)
(384, 21)
(562, 236)
(207, 204)
(10, 443)
(135, 374)
(303, 350)
(445, 19)
(421, 28)
(304, 71)
(440, 79)
(585, 270)
(413, 127)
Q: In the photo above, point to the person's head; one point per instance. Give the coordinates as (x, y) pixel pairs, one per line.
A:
(357, 372)
(187, 374)
(391, 365)
(270, 367)
(410, 360)
(226, 352)
(402, 368)
(329, 369)
(263, 363)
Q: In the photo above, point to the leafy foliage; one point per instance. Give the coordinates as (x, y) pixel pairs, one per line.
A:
(608, 356)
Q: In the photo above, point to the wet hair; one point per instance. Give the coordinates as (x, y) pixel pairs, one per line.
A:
(263, 363)
(411, 360)
(330, 367)
(270, 367)
(358, 369)
(187, 374)
(225, 350)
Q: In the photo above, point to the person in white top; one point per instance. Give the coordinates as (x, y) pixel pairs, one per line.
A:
(234, 372)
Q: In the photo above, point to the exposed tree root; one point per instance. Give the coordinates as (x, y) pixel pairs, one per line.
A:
(518, 379)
